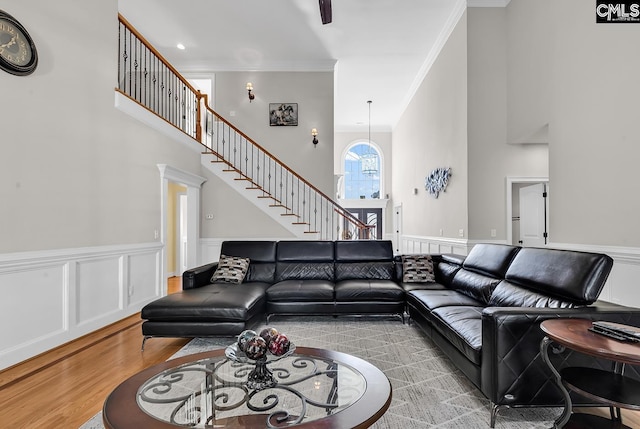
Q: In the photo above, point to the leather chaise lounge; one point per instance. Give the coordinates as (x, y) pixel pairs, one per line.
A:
(482, 310)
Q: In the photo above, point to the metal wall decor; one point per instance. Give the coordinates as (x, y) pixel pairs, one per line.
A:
(437, 181)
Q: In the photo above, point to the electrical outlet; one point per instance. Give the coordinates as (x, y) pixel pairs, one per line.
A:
(441, 232)
(156, 234)
(493, 233)
(461, 232)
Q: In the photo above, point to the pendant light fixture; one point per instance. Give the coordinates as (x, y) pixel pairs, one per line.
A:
(369, 161)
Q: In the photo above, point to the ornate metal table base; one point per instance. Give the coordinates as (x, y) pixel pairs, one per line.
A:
(200, 393)
(261, 377)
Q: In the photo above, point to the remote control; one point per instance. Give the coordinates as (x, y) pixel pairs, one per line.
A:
(609, 334)
(618, 328)
(617, 331)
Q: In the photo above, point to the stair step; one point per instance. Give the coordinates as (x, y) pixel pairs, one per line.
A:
(289, 214)
(311, 232)
(299, 223)
(254, 187)
(269, 196)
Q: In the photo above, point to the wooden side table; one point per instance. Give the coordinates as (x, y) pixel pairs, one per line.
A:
(610, 388)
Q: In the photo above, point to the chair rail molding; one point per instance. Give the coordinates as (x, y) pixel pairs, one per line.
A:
(426, 244)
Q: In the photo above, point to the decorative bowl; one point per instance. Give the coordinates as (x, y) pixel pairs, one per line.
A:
(234, 353)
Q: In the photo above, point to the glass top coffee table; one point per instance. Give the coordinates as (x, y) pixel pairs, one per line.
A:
(311, 388)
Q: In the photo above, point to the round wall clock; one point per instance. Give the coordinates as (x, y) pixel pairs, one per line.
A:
(17, 51)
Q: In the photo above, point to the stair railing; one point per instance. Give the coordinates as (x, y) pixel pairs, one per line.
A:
(147, 78)
(263, 171)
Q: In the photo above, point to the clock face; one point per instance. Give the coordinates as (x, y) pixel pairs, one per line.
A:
(17, 51)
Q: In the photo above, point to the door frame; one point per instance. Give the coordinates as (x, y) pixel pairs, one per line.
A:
(510, 181)
(397, 227)
(193, 184)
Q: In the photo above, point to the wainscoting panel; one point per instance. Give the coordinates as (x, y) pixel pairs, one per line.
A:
(97, 287)
(143, 283)
(37, 293)
(53, 297)
(420, 244)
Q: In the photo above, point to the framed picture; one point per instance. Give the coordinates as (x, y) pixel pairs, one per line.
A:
(283, 114)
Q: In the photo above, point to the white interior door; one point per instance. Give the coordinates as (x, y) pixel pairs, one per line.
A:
(182, 235)
(533, 215)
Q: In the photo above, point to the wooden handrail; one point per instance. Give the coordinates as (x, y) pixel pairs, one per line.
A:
(164, 61)
(286, 167)
(145, 42)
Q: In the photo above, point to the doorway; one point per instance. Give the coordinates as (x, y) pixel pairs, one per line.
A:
(530, 216)
(193, 184)
(369, 216)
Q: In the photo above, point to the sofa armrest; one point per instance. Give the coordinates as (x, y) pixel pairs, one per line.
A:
(513, 371)
(198, 276)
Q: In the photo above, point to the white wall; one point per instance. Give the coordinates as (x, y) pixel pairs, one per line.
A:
(491, 158)
(79, 185)
(594, 141)
(432, 133)
(313, 91)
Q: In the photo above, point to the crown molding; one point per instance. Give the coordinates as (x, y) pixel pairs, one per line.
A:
(487, 3)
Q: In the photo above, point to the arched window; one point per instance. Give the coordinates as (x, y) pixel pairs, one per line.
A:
(362, 172)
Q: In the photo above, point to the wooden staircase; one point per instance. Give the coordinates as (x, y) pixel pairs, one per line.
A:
(147, 78)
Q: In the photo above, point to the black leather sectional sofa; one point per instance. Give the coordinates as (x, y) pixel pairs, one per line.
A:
(482, 310)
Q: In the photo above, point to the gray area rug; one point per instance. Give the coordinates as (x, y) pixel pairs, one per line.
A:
(428, 391)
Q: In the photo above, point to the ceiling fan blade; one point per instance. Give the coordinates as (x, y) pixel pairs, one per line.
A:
(325, 11)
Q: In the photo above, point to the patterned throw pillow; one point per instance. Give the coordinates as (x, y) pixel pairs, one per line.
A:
(417, 269)
(231, 269)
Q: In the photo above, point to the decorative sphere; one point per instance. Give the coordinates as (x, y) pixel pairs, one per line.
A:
(244, 337)
(280, 345)
(256, 348)
(269, 334)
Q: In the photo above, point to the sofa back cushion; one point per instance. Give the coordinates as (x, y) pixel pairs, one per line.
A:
(304, 260)
(490, 259)
(507, 294)
(364, 259)
(474, 285)
(566, 275)
(262, 258)
(446, 266)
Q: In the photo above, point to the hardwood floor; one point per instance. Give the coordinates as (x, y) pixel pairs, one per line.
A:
(65, 387)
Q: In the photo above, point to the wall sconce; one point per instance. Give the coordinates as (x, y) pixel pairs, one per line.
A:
(314, 133)
(249, 89)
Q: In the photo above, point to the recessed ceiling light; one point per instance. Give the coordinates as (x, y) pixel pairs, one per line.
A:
(180, 46)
